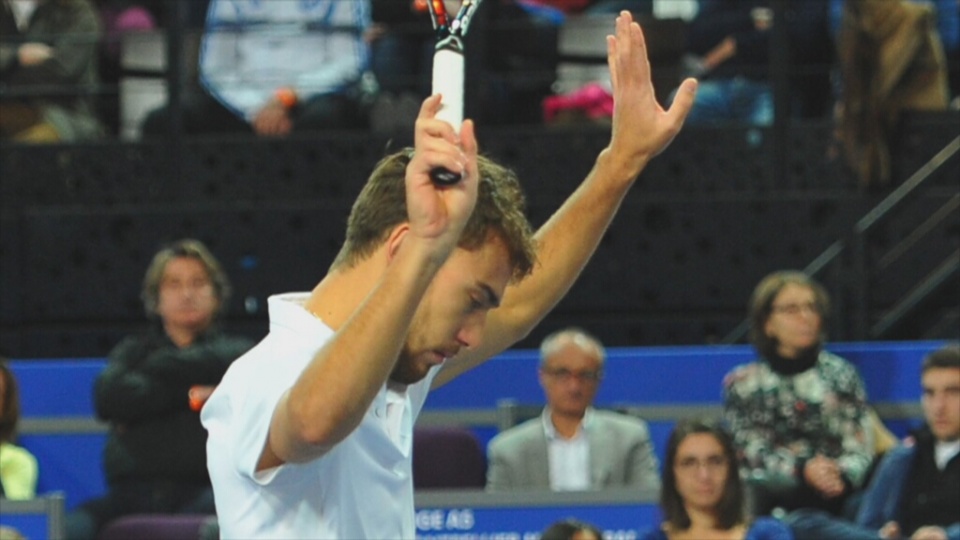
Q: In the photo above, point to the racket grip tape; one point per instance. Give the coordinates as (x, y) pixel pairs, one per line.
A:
(448, 81)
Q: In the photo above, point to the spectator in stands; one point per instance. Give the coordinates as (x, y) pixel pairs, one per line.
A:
(596, 7)
(272, 68)
(571, 529)
(891, 61)
(798, 412)
(401, 57)
(703, 495)
(310, 433)
(571, 446)
(48, 63)
(119, 18)
(18, 467)
(915, 492)
(729, 46)
(154, 457)
(947, 15)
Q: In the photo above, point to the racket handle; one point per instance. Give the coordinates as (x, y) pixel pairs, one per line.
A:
(448, 81)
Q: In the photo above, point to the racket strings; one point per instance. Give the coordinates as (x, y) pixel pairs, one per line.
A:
(462, 21)
(441, 20)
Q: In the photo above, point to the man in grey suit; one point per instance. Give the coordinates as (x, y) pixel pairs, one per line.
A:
(572, 446)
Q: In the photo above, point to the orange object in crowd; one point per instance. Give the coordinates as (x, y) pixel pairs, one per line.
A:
(198, 395)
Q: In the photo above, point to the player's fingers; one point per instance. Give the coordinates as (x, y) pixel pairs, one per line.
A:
(638, 52)
(622, 37)
(468, 138)
(430, 107)
(438, 129)
(623, 26)
(454, 162)
(612, 60)
(437, 152)
(638, 43)
(683, 101)
(470, 146)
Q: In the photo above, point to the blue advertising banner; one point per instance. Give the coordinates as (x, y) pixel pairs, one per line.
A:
(460, 515)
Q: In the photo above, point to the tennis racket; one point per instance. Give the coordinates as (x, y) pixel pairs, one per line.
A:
(448, 68)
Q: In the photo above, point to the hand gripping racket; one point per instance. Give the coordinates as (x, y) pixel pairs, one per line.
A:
(448, 69)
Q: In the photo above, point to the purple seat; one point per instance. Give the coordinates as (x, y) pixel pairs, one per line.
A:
(448, 458)
(156, 527)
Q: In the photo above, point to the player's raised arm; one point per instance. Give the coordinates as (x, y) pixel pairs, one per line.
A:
(371, 308)
(641, 130)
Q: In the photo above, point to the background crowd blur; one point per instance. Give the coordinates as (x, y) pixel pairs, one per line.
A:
(125, 72)
(244, 67)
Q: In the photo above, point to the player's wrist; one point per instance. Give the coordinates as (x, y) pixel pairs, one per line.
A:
(621, 166)
(422, 256)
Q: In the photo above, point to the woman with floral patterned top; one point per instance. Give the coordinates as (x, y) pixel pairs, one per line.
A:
(798, 413)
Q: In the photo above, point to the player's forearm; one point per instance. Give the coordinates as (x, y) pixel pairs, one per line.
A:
(567, 241)
(564, 245)
(333, 393)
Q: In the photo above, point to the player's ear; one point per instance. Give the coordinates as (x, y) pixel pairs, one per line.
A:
(396, 239)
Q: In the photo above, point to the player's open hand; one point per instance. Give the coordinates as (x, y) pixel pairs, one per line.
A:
(437, 212)
(641, 127)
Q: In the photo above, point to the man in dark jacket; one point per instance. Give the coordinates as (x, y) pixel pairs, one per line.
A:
(914, 492)
(155, 458)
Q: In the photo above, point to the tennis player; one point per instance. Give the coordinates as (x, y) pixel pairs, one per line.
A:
(310, 433)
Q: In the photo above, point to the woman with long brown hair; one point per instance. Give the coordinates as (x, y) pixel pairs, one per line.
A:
(703, 496)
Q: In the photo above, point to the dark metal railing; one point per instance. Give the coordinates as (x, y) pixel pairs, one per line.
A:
(862, 274)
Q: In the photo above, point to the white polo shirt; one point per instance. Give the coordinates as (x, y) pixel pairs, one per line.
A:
(361, 488)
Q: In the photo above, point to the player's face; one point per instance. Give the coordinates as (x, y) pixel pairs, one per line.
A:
(795, 320)
(570, 377)
(701, 471)
(454, 309)
(941, 402)
(187, 299)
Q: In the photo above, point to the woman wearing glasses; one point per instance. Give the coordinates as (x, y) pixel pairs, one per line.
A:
(703, 496)
(798, 412)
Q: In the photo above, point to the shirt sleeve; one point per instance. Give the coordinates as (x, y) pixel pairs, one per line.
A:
(239, 412)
